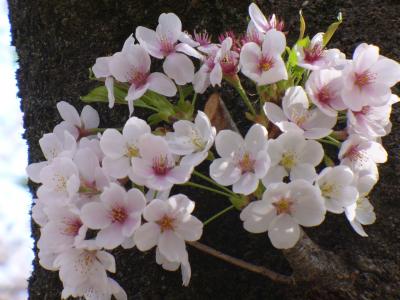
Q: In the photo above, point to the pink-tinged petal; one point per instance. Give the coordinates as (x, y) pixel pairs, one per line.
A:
(179, 67)
(274, 175)
(118, 167)
(139, 59)
(95, 216)
(216, 75)
(160, 83)
(136, 92)
(152, 146)
(112, 143)
(112, 195)
(283, 232)
(87, 162)
(107, 260)
(73, 185)
(257, 216)
(294, 99)
(366, 58)
(141, 169)
(148, 40)
(172, 246)
(128, 44)
(182, 203)
(377, 152)
(116, 290)
(68, 113)
(274, 113)
(388, 71)
(262, 164)
(258, 17)
(188, 50)
(155, 211)
(256, 138)
(130, 225)
(121, 68)
(169, 27)
(50, 145)
(201, 80)
(358, 228)
(276, 73)
(159, 183)
(317, 133)
(303, 171)
(189, 230)
(274, 43)
(250, 57)
(65, 126)
(135, 128)
(110, 237)
(147, 236)
(227, 142)
(33, 170)
(135, 201)
(101, 68)
(246, 185)
(110, 90)
(180, 174)
(224, 172)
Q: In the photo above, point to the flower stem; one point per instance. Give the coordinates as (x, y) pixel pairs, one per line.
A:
(242, 93)
(181, 100)
(274, 276)
(206, 178)
(217, 215)
(194, 99)
(200, 186)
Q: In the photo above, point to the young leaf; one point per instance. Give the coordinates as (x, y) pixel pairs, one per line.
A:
(302, 26)
(331, 30)
(100, 94)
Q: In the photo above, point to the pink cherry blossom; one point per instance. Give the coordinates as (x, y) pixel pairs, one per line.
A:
(157, 168)
(265, 65)
(117, 215)
(261, 22)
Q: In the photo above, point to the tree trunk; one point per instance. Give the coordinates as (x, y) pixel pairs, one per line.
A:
(57, 41)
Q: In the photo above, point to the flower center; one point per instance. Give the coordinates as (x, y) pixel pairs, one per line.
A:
(246, 163)
(197, 141)
(265, 64)
(166, 46)
(161, 165)
(72, 226)
(138, 78)
(324, 95)
(313, 54)
(118, 215)
(228, 64)
(202, 38)
(363, 79)
(283, 206)
(132, 151)
(166, 223)
(288, 160)
(327, 189)
(61, 183)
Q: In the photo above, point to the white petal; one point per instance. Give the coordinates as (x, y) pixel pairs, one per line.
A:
(101, 67)
(68, 113)
(283, 232)
(224, 172)
(303, 171)
(216, 75)
(169, 26)
(118, 167)
(258, 17)
(227, 142)
(146, 236)
(148, 39)
(172, 246)
(155, 211)
(190, 230)
(179, 67)
(161, 84)
(246, 185)
(256, 138)
(110, 237)
(274, 43)
(95, 216)
(90, 117)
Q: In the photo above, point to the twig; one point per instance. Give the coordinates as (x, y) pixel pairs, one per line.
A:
(244, 265)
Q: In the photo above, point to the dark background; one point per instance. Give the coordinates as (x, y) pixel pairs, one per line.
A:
(57, 41)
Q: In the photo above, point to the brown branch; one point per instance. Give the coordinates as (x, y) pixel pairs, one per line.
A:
(244, 265)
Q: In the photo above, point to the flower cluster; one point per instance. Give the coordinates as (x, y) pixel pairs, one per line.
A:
(314, 147)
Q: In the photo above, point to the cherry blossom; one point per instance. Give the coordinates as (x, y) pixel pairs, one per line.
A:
(173, 266)
(157, 168)
(169, 225)
(282, 209)
(201, 79)
(296, 115)
(117, 215)
(336, 188)
(134, 67)
(361, 154)
(164, 43)
(324, 89)
(315, 57)
(78, 125)
(368, 78)
(243, 162)
(193, 140)
(264, 64)
(225, 62)
(291, 154)
(261, 22)
(119, 148)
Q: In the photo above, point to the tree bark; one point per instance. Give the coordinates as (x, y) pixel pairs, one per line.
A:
(57, 41)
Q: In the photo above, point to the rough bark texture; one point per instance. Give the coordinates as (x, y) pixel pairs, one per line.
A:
(57, 41)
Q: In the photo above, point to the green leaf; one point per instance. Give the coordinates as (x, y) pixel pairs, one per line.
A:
(302, 26)
(331, 30)
(157, 118)
(100, 94)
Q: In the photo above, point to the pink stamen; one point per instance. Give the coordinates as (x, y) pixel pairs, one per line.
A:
(138, 78)
(202, 38)
(313, 54)
(167, 47)
(118, 215)
(363, 79)
(161, 165)
(324, 95)
(265, 64)
(72, 226)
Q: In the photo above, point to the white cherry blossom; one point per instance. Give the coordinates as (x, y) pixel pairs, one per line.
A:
(243, 162)
(169, 225)
(324, 88)
(193, 140)
(336, 188)
(292, 155)
(156, 168)
(119, 148)
(164, 43)
(282, 209)
(264, 64)
(297, 116)
(368, 78)
(117, 215)
(261, 22)
(173, 266)
(78, 125)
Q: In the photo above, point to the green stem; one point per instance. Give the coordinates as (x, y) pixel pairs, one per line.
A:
(333, 140)
(246, 99)
(204, 177)
(217, 215)
(200, 186)
(181, 97)
(194, 99)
